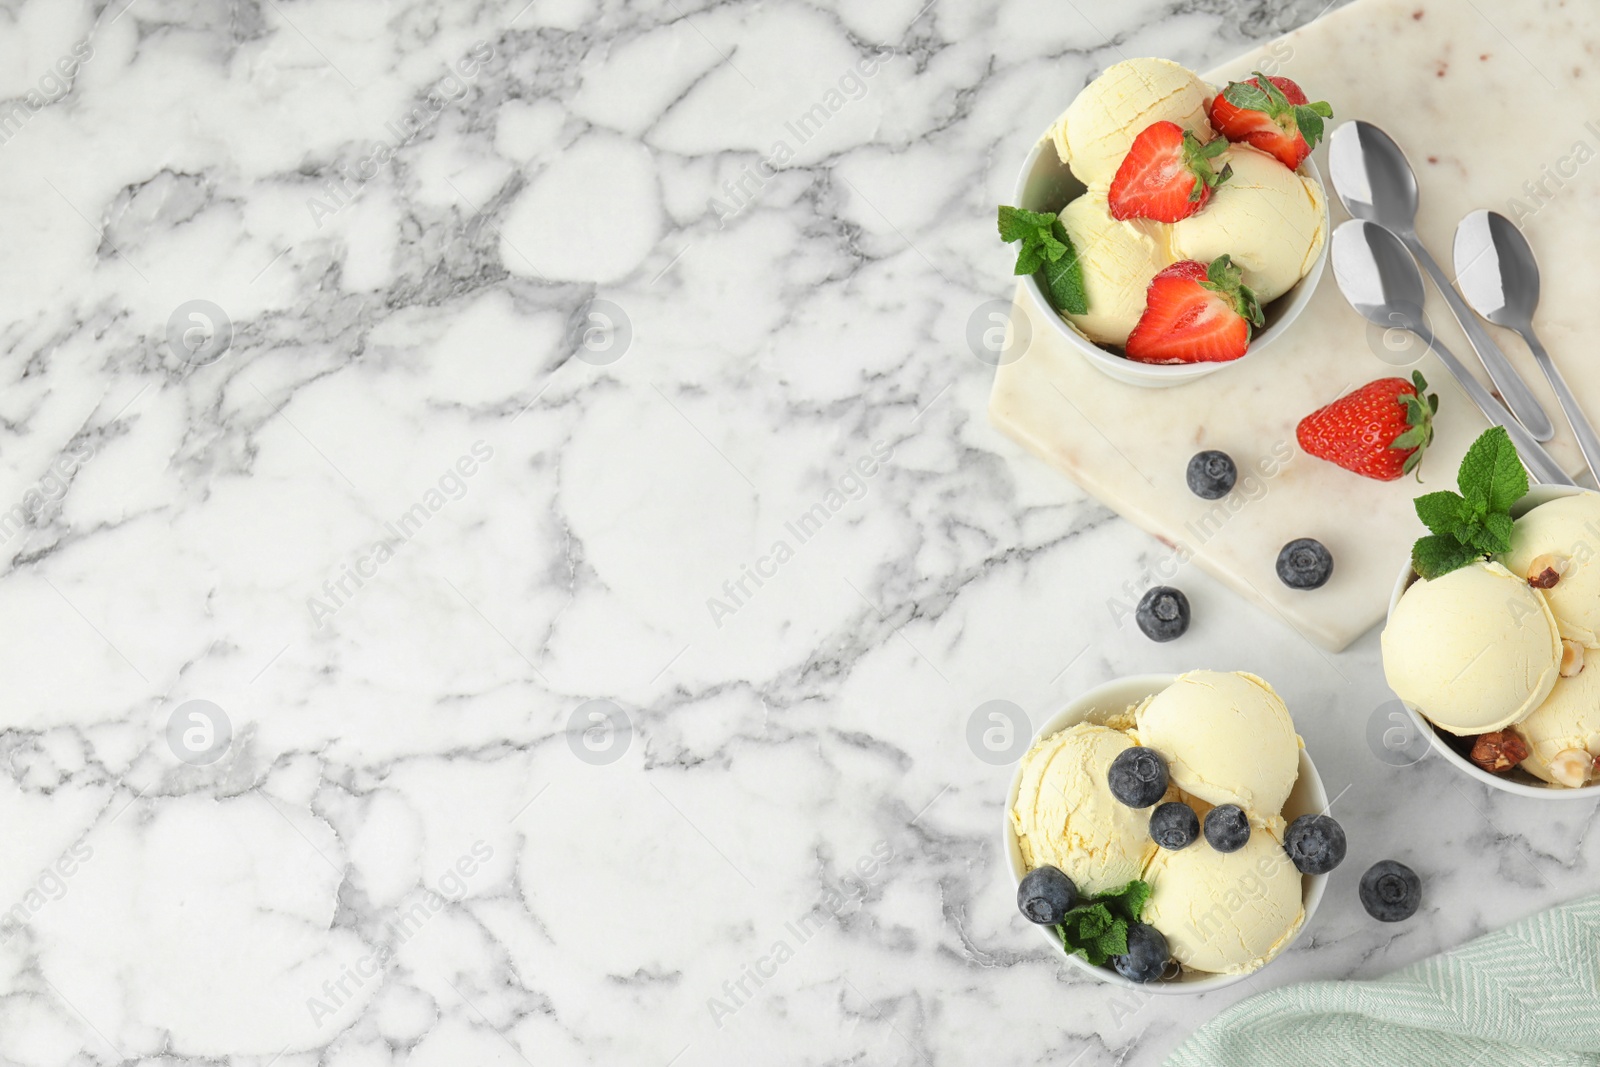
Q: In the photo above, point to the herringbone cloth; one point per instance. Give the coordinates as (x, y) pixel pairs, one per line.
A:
(1525, 996)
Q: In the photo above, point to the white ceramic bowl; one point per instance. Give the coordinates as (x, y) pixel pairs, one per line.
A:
(1517, 781)
(1046, 184)
(1308, 797)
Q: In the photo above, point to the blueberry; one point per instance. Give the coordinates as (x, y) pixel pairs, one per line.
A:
(1390, 891)
(1147, 956)
(1211, 474)
(1163, 613)
(1174, 825)
(1227, 828)
(1138, 776)
(1315, 844)
(1045, 895)
(1305, 563)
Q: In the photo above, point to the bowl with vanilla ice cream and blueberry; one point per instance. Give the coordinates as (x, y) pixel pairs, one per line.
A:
(1171, 833)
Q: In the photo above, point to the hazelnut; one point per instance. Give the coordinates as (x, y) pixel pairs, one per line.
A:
(1571, 658)
(1499, 751)
(1546, 570)
(1571, 767)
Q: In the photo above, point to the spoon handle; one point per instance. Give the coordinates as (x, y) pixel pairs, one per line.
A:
(1519, 398)
(1540, 466)
(1588, 443)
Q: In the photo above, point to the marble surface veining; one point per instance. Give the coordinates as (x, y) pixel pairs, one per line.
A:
(504, 552)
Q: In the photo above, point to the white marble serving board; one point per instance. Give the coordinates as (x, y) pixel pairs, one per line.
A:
(1453, 83)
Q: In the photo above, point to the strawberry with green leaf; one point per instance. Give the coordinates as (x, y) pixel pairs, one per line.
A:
(1047, 249)
(1467, 526)
(1167, 175)
(1271, 114)
(1195, 314)
(1379, 431)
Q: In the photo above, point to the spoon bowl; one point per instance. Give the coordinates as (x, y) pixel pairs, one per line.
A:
(1496, 270)
(1372, 177)
(1379, 277)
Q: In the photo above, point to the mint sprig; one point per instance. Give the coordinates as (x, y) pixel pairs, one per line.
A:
(1097, 928)
(1467, 526)
(1046, 248)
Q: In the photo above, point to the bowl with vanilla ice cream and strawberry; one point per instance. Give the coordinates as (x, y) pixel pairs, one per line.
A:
(1168, 228)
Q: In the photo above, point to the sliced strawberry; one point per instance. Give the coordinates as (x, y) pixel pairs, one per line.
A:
(1379, 431)
(1271, 114)
(1195, 314)
(1167, 175)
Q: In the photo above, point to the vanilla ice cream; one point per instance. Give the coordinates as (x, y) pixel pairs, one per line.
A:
(1269, 219)
(1119, 259)
(1568, 718)
(1568, 530)
(1473, 650)
(1225, 912)
(1227, 738)
(1094, 134)
(1066, 816)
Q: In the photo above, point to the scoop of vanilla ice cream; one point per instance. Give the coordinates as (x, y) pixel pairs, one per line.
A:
(1094, 134)
(1473, 650)
(1225, 912)
(1227, 739)
(1119, 259)
(1065, 814)
(1568, 718)
(1269, 219)
(1567, 528)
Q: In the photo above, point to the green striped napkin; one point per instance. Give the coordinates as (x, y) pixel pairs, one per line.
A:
(1525, 996)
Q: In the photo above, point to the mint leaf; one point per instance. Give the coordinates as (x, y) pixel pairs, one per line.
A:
(1510, 481)
(1046, 247)
(1092, 920)
(1127, 901)
(1030, 259)
(1097, 929)
(1017, 223)
(1440, 512)
(1497, 526)
(1437, 555)
(1477, 466)
(1114, 942)
(1064, 276)
(1477, 523)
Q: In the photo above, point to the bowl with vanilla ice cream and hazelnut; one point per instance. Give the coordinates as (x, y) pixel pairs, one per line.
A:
(1497, 658)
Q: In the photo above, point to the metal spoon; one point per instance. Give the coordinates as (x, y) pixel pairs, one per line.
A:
(1375, 183)
(1500, 279)
(1382, 282)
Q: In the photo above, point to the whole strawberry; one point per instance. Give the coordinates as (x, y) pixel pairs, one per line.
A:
(1271, 114)
(1379, 431)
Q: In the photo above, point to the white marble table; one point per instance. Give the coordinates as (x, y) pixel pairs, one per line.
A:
(575, 352)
